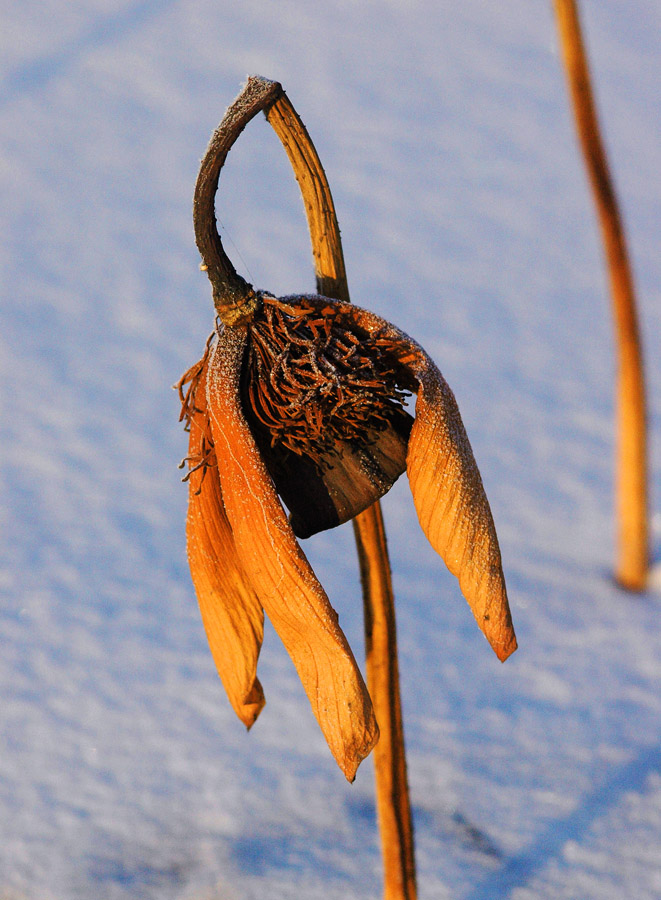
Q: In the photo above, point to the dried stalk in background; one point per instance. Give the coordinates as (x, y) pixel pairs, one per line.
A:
(393, 805)
(631, 463)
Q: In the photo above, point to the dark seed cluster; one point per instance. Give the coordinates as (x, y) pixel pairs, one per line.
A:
(313, 379)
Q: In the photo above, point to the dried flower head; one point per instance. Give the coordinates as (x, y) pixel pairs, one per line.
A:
(301, 401)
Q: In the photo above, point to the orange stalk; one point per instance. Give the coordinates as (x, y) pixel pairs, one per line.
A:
(393, 806)
(631, 458)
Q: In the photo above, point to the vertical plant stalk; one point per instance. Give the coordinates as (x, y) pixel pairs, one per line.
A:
(393, 805)
(631, 459)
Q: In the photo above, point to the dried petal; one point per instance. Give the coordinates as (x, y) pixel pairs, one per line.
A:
(447, 488)
(353, 477)
(453, 508)
(231, 612)
(292, 597)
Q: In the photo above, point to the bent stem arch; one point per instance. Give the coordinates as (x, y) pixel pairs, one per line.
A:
(233, 297)
(393, 805)
(631, 461)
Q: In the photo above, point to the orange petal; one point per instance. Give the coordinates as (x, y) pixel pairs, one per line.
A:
(453, 508)
(231, 612)
(447, 490)
(287, 587)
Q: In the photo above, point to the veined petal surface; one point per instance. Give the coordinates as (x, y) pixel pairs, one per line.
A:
(279, 572)
(231, 612)
(447, 488)
(453, 508)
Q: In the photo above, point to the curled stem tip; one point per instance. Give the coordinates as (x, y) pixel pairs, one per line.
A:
(234, 298)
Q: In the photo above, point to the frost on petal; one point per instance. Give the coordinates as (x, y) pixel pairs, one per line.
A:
(292, 597)
(231, 612)
(447, 490)
(453, 508)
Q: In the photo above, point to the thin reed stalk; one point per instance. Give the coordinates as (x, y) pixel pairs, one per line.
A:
(632, 559)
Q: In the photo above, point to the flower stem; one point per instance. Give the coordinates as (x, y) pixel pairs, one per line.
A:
(327, 252)
(233, 297)
(393, 804)
(631, 466)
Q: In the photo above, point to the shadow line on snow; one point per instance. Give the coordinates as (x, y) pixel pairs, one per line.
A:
(519, 870)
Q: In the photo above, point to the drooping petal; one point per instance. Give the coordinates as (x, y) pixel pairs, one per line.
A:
(453, 508)
(287, 587)
(231, 612)
(447, 489)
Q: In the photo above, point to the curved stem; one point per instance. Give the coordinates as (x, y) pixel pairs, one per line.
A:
(231, 293)
(631, 476)
(393, 805)
(329, 266)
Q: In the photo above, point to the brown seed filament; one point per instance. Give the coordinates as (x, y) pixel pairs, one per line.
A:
(314, 380)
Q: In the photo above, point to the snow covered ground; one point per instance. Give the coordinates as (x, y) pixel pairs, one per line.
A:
(446, 135)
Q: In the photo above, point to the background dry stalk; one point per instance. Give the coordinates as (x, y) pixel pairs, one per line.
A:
(631, 421)
(393, 805)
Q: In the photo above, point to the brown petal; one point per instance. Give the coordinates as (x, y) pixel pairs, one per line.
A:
(447, 490)
(351, 480)
(231, 613)
(358, 476)
(292, 597)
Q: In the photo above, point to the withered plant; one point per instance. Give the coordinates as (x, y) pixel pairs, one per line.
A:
(301, 401)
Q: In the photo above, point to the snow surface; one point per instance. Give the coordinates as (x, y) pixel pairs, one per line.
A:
(466, 218)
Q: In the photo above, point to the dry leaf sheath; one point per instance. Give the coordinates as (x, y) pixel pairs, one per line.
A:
(301, 400)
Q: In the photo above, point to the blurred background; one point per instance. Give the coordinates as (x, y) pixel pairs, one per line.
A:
(448, 141)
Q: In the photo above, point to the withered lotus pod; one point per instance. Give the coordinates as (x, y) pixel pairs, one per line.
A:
(301, 401)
